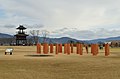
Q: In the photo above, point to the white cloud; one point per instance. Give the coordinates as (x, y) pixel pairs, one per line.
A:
(85, 34)
(59, 14)
(8, 26)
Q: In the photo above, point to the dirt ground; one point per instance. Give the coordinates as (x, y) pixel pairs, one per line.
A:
(26, 64)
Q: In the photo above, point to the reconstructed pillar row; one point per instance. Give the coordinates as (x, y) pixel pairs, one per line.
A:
(68, 48)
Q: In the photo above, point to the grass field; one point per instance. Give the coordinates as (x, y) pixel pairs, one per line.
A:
(25, 64)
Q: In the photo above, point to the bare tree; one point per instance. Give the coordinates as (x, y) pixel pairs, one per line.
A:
(44, 34)
(35, 34)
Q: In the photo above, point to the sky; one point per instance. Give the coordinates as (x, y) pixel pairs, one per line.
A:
(79, 19)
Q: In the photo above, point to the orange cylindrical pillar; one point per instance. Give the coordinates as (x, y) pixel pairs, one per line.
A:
(38, 48)
(45, 48)
(80, 49)
(93, 49)
(51, 48)
(65, 48)
(86, 47)
(71, 48)
(57, 47)
(60, 48)
(107, 50)
(68, 49)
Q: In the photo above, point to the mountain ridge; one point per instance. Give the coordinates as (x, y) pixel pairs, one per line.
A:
(3, 35)
(67, 39)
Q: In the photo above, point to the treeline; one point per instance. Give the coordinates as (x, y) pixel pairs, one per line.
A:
(12, 41)
(7, 41)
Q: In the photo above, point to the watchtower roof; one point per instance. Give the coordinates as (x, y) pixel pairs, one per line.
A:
(21, 27)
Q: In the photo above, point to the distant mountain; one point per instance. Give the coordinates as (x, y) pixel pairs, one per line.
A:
(104, 40)
(113, 38)
(58, 40)
(2, 35)
(67, 39)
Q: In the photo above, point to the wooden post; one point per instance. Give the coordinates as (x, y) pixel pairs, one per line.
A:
(68, 49)
(80, 49)
(45, 48)
(65, 48)
(51, 48)
(71, 48)
(86, 47)
(93, 49)
(60, 48)
(38, 48)
(57, 48)
(107, 50)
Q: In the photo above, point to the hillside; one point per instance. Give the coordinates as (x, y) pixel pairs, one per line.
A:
(105, 39)
(2, 35)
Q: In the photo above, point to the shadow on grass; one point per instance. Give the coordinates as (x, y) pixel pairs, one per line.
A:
(39, 55)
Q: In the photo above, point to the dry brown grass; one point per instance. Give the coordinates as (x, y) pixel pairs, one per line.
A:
(21, 66)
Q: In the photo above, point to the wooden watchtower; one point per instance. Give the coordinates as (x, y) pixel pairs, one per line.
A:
(21, 36)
